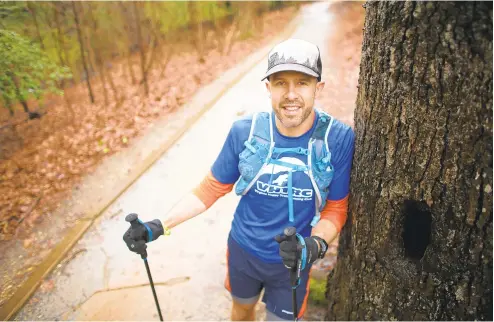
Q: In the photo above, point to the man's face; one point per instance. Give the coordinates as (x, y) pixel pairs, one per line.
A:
(292, 96)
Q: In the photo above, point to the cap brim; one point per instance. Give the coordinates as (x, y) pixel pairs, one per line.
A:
(290, 67)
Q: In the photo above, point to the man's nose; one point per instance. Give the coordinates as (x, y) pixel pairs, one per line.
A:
(291, 94)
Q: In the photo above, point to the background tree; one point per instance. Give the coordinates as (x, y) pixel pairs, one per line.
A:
(160, 27)
(418, 241)
(75, 9)
(61, 48)
(26, 72)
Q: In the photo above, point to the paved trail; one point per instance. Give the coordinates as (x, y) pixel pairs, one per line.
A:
(102, 281)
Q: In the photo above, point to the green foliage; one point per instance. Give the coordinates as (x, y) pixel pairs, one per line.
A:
(167, 16)
(12, 11)
(26, 70)
(273, 5)
(210, 11)
(16, 17)
(317, 294)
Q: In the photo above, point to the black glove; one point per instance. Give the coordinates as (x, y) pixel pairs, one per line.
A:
(291, 251)
(136, 238)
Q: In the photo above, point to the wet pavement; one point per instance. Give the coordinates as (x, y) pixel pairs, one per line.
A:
(102, 280)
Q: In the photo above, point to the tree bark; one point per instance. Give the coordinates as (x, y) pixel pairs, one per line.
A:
(61, 51)
(131, 68)
(116, 95)
(32, 11)
(246, 15)
(154, 46)
(129, 32)
(97, 52)
(418, 241)
(81, 47)
(64, 11)
(195, 24)
(165, 59)
(224, 29)
(21, 99)
(18, 92)
(142, 51)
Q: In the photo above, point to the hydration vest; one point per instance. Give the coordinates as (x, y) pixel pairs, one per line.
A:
(260, 151)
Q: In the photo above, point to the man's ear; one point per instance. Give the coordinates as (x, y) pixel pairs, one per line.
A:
(268, 88)
(319, 88)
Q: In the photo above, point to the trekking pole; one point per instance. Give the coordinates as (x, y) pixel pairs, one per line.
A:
(291, 233)
(134, 223)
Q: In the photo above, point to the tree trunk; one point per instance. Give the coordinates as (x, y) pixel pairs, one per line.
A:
(116, 96)
(246, 15)
(418, 241)
(231, 37)
(24, 106)
(128, 30)
(70, 64)
(154, 47)
(165, 59)
(61, 51)
(81, 47)
(18, 93)
(21, 99)
(195, 24)
(97, 52)
(60, 34)
(142, 52)
(224, 29)
(131, 69)
(86, 31)
(32, 11)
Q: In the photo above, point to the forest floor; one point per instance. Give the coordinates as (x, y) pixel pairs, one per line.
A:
(43, 160)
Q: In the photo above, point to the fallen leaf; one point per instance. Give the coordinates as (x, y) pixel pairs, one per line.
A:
(27, 243)
(47, 286)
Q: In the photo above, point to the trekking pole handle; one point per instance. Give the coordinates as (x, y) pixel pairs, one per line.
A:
(133, 219)
(291, 233)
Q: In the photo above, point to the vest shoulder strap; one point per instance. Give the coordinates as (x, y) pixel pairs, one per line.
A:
(261, 128)
(321, 132)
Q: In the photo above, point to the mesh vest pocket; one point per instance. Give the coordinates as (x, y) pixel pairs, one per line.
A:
(323, 172)
(250, 163)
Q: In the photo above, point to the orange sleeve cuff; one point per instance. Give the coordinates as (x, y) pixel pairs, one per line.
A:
(210, 190)
(336, 212)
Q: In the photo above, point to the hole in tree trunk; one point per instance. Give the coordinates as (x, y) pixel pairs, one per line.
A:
(417, 228)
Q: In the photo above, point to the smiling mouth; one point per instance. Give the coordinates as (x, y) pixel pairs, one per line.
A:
(291, 110)
(291, 107)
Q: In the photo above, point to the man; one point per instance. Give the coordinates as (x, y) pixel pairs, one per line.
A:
(292, 168)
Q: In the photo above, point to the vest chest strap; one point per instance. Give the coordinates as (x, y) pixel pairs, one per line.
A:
(294, 167)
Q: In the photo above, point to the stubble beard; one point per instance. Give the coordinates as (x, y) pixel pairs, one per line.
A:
(292, 122)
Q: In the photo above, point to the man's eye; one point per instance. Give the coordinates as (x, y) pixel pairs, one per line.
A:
(280, 83)
(302, 83)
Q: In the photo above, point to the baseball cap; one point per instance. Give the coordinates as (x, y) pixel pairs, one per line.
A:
(295, 55)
